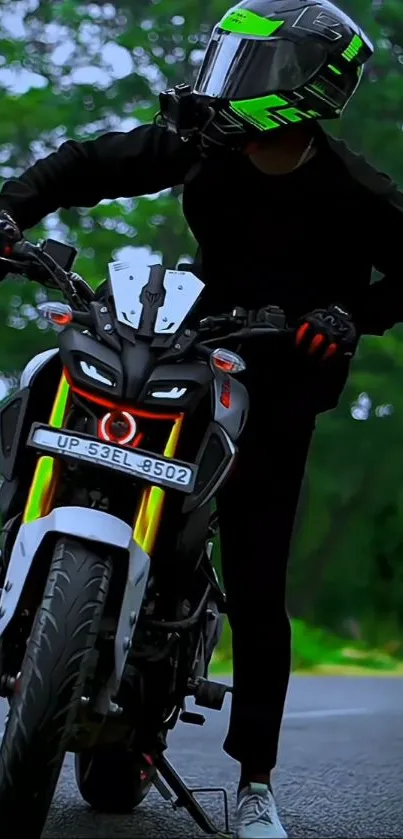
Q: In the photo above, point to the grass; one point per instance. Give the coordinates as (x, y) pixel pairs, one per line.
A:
(317, 651)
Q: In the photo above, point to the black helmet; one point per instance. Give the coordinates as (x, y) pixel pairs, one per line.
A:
(272, 63)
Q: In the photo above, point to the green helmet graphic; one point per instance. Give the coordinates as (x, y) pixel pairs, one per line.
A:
(272, 63)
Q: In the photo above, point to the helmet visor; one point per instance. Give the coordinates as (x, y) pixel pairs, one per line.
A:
(237, 68)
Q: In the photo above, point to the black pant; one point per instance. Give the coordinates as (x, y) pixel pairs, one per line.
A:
(256, 510)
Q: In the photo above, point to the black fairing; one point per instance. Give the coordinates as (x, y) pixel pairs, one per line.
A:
(75, 347)
(192, 537)
(214, 459)
(20, 411)
(152, 297)
(194, 378)
(33, 403)
(138, 361)
(13, 420)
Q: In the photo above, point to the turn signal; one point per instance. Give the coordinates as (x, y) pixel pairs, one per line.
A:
(58, 313)
(227, 361)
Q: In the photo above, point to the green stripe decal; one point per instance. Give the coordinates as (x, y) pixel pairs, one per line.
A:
(243, 22)
(353, 48)
(268, 112)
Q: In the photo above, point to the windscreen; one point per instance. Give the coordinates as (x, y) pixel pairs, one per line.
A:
(238, 68)
(128, 281)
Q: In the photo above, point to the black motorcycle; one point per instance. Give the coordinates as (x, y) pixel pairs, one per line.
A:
(112, 452)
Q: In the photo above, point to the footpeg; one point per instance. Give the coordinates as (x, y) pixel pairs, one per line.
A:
(209, 694)
(192, 718)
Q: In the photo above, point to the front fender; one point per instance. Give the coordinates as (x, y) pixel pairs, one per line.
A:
(90, 525)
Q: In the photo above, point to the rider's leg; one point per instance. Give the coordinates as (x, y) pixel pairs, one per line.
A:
(257, 510)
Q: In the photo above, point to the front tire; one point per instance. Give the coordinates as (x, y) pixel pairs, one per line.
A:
(53, 678)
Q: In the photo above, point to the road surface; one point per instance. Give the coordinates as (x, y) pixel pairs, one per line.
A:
(340, 769)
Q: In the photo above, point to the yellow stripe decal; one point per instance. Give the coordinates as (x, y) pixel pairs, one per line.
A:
(152, 501)
(43, 476)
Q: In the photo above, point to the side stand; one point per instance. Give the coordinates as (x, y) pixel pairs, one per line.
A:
(185, 797)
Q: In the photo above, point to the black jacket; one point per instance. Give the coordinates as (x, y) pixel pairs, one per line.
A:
(300, 240)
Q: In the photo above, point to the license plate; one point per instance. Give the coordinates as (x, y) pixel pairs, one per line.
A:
(136, 463)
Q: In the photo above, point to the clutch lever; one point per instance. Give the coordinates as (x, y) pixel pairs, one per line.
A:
(16, 266)
(256, 332)
(203, 349)
(26, 265)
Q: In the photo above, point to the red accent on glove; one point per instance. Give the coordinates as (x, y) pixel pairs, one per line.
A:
(331, 350)
(301, 332)
(316, 342)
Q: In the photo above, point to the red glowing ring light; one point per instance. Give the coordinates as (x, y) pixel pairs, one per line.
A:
(114, 416)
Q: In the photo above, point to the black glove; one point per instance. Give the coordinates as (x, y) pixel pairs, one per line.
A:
(9, 233)
(326, 333)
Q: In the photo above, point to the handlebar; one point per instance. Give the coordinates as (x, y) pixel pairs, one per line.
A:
(247, 323)
(32, 260)
(36, 263)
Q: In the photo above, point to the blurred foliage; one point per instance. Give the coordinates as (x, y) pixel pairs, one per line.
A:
(316, 649)
(59, 80)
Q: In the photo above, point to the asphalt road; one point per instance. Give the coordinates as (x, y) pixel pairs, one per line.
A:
(340, 769)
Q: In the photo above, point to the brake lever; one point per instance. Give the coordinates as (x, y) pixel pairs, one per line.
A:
(251, 332)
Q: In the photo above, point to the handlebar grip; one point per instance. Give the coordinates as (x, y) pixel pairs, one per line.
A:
(19, 249)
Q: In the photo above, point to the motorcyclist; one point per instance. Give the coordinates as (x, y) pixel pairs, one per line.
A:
(283, 214)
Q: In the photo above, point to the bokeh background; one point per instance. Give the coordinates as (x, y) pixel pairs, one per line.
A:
(71, 70)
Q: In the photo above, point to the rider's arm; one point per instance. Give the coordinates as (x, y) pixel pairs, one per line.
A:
(115, 165)
(383, 304)
(381, 307)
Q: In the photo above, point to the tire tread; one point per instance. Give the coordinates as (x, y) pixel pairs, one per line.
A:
(53, 677)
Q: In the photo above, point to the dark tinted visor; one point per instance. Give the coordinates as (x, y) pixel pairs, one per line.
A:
(236, 68)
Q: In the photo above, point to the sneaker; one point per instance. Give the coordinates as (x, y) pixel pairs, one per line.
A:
(256, 814)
